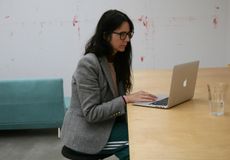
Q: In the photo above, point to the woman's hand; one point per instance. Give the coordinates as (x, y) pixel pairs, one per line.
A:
(140, 96)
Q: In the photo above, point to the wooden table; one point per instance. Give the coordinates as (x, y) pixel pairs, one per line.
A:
(184, 132)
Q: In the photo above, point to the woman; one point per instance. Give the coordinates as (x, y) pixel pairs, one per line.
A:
(96, 122)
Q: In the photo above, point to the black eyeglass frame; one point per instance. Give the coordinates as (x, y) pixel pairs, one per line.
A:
(123, 35)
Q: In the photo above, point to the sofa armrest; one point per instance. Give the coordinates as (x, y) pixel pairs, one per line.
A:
(67, 102)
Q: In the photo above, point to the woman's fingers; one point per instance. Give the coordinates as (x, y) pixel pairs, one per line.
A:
(141, 96)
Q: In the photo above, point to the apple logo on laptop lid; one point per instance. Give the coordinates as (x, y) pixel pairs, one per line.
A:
(185, 83)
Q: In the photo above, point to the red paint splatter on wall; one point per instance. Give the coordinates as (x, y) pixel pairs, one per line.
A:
(142, 58)
(75, 20)
(144, 20)
(215, 21)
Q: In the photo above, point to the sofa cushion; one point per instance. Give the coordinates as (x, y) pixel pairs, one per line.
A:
(32, 103)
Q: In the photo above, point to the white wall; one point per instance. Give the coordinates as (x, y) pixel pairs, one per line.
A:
(228, 32)
(46, 38)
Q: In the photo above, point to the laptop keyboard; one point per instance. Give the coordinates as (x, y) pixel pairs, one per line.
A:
(162, 102)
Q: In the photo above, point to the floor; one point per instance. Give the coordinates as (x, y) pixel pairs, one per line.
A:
(42, 144)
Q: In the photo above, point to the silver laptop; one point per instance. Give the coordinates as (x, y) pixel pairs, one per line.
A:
(182, 88)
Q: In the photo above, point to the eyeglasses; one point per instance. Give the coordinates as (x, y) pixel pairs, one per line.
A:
(123, 35)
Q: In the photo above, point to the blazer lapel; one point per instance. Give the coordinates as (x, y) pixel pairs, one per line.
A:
(105, 68)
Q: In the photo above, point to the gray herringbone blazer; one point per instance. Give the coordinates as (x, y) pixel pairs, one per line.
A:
(93, 108)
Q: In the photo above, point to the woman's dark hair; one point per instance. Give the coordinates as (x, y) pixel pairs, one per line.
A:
(100, 46)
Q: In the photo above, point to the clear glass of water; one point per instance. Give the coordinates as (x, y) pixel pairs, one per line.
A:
(216, 98)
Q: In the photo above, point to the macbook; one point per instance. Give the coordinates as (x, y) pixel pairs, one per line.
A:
(182, 88)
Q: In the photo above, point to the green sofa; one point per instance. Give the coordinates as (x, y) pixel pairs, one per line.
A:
(31, 104)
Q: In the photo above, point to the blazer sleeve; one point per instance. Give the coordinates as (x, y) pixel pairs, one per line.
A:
(95, 98)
